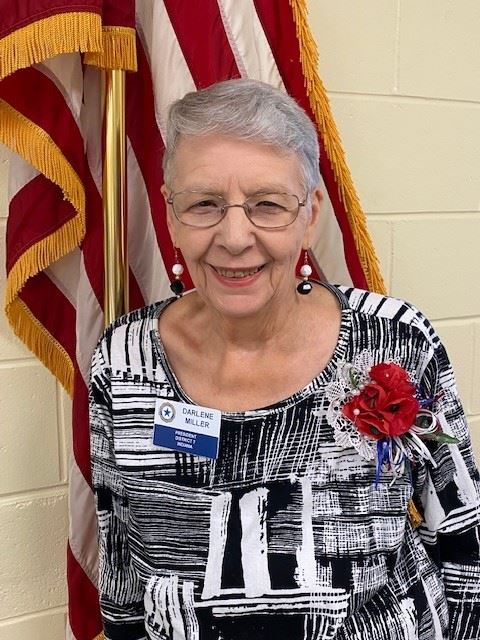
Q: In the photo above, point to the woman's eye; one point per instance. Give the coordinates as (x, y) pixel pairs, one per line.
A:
(267, 203)
(203, 206)
(268, 206)
(206, 203)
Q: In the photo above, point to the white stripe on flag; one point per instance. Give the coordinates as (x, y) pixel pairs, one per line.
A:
(89, 322)
(20, 173)
(248, 41)
(328, 244)
(66, 72)
(68, 631)
(64, 275)
(144, 254)
(92, 121)
(83, 523)
(165, 57)
(69, 276)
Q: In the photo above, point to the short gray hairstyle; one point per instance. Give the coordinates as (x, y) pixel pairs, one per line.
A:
(249, 110)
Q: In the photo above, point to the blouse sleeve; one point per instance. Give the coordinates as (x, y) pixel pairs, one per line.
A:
(120, 590)
(449, 492)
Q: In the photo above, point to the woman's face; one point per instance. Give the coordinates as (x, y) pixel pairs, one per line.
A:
(264, 258)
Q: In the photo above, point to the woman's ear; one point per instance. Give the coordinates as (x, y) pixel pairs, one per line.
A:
(316, 198)
(171, 220)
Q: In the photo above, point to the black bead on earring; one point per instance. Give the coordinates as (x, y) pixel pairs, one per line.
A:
(306, 285)
(177, 285)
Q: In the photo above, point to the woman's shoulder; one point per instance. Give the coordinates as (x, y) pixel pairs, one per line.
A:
(386, 308)
(129, 330)
(137, 316)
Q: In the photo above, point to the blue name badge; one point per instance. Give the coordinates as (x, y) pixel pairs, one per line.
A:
(187, 428)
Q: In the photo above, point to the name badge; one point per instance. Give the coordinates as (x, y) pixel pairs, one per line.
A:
(187, 428)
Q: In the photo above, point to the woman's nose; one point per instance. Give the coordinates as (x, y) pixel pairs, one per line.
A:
(236, 232)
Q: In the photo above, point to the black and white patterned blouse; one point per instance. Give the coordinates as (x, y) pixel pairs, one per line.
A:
(285, 536)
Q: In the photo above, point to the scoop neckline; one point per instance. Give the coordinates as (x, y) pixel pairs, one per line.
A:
(314, 385)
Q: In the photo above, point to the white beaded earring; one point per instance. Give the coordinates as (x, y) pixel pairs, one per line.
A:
(306, 285)
(177, 285)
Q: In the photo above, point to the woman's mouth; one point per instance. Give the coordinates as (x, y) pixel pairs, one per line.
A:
(237, 273)
(236, 277)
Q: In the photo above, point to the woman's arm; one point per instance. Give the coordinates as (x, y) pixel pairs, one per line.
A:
(450, 495)
(121, 593)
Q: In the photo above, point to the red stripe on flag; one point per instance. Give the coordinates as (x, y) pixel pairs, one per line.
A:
(279, 27)
(24, 90)
(206, 50)
(84, 609)
(36, 211)
(52, 309)
(135, 297)
(118, 13)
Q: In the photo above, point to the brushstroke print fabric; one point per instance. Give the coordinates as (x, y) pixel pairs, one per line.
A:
(284, 535)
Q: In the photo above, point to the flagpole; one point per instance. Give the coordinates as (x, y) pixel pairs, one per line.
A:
(114, 199)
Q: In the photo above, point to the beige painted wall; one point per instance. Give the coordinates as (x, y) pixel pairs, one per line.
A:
(402, 76)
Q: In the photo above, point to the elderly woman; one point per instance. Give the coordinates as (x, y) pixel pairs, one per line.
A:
(275, 458)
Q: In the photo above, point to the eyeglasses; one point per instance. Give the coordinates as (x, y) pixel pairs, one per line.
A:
(264, 210)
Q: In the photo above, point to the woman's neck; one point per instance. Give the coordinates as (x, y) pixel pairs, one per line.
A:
(276, 324)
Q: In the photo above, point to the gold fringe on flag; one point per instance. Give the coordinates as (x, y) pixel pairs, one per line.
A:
(118, 50)
(48, 37)
(41, 342)
(99, 637)
(33, 144)
(324, 118)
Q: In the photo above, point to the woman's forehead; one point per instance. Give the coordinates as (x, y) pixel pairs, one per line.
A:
(219, 161)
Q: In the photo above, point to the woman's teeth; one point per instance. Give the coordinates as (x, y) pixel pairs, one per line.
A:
(228, 273)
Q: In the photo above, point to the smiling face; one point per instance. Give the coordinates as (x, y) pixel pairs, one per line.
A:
(237, 268)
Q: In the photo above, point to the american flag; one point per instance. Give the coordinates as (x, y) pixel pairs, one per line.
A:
(51, 117)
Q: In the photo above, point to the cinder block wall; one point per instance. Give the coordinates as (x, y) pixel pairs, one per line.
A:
(403, 82)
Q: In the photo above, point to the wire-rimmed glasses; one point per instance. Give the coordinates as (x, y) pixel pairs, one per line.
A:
(264, 210)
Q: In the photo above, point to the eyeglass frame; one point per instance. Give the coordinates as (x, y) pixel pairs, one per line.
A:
(226, 206)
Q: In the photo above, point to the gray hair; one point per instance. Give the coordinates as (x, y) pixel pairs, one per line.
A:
(250, 110)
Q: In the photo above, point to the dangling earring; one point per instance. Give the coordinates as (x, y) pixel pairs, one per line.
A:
(306, 285)
(177, 285)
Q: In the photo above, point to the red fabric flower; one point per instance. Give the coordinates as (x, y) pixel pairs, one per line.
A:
(387, 406)
(390, 376)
